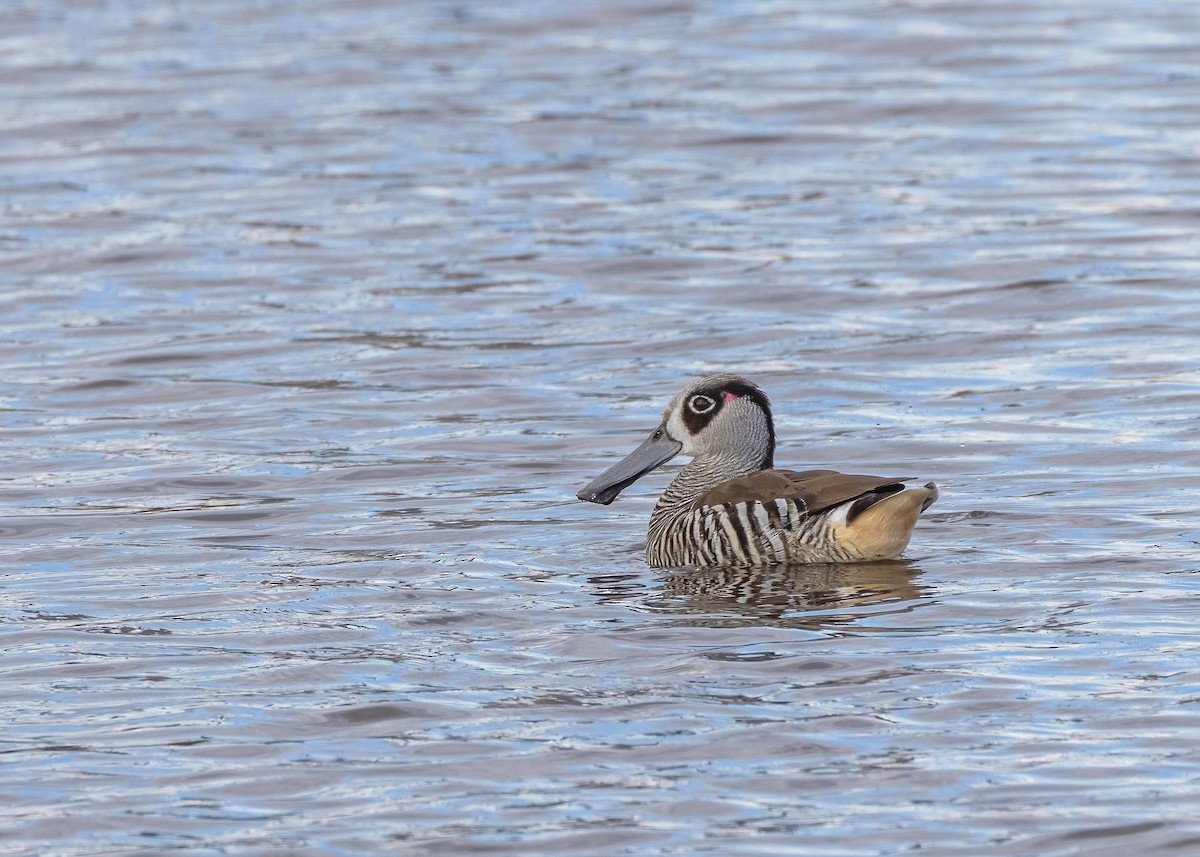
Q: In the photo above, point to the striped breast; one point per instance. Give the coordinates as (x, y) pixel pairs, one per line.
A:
(770, 517)
(743, 534)
(762, 532)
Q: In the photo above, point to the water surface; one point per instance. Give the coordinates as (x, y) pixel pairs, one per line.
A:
(314, 316)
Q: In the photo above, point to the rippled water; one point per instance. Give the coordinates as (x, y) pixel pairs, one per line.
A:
(314, 315)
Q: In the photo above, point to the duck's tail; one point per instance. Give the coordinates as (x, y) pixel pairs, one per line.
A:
(883, 528)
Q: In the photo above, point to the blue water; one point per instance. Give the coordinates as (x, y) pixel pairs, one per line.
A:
(314, 317)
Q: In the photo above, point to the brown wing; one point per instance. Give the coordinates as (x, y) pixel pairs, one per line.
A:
(816, 489)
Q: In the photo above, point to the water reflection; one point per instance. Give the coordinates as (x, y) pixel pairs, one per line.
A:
(808, 596)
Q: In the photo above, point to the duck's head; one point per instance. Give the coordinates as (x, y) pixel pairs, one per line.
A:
(717, 417)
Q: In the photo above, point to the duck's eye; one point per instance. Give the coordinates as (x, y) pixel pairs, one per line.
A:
(701, 404)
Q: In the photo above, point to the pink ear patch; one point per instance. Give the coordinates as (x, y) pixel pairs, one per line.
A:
(728, 396)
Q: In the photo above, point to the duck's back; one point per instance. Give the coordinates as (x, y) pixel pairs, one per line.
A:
(789, 516)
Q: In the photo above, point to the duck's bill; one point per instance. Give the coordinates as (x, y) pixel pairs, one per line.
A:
(655, 450)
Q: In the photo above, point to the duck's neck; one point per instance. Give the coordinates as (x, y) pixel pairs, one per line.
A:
(694, 480)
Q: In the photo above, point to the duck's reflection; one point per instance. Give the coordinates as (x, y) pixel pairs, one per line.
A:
(804, 596)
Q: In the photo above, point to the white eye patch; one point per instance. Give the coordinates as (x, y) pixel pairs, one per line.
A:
(701, 404)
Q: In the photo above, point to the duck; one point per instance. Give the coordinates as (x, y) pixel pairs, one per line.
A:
(730, 507)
